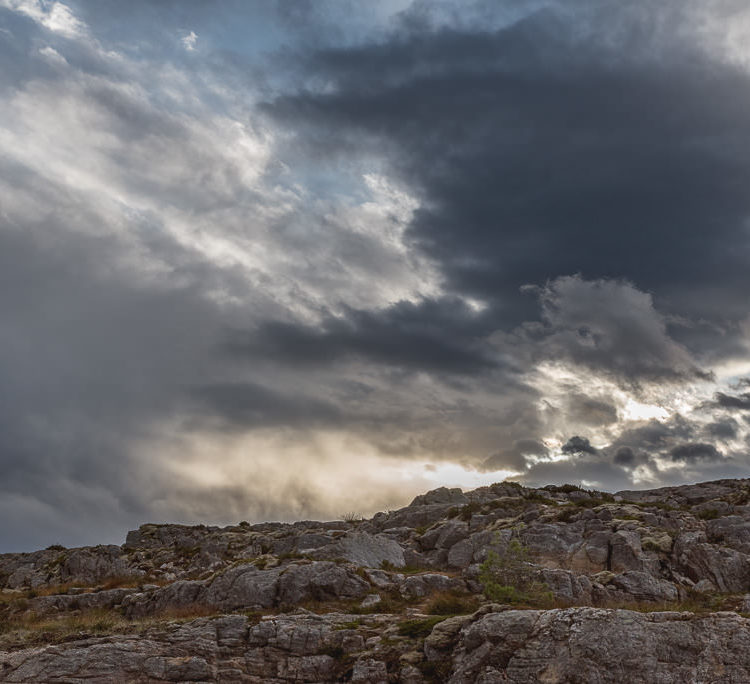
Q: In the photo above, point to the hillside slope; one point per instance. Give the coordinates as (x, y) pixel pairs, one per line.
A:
(502, 583)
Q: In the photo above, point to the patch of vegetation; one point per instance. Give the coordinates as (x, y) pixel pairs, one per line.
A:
(406, 570)
(187, 552)
(652, 545)
(335, 652)
(708, 514)
(55, 547)
(700, 603)
(539, 498)
(567, 513)
(511, 483)
(510, 578)
(451, 603)
(390, 602)
(27, 629)
(353, 624)
(419, 628)
(122, 581)
(661, 505)
(564, 488)
(352, 517)
(469, 510)
(436, 671)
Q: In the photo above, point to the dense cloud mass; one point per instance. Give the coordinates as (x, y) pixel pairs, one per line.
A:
(278, 260)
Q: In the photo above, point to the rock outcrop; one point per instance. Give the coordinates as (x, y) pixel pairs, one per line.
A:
(635, 586)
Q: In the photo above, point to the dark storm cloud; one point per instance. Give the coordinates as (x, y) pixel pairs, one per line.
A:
(578, 445)
(515, 456)
(580, 191)
(590, 411)
(442, 336)
(250, 405)
(655, 436)
(695, 451)
(538, 152)
(625, 456)
(730, 401)
(89, 361)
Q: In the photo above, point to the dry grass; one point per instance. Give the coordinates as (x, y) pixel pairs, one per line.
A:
(21, 630)
(29, 628)
(53, 589)
(452, 603)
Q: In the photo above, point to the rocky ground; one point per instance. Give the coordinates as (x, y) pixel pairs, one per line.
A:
(649, 586)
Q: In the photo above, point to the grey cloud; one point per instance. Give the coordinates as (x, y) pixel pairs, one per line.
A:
(730, 401)
(723, 429)
(224, 273)
(249, 405)
(443, 336)
(591, 411)
(695, 451)
(578, 445)
(514, 457)
(612, 327)
(543, 149)
(625, 456)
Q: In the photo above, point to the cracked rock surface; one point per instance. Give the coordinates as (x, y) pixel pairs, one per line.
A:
(650, 586)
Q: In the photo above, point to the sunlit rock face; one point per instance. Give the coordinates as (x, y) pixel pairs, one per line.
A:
(613, 586)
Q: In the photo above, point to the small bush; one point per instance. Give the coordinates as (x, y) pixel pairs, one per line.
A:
(336, 652)
(564, 489)
(469, 510)
(417, 629)
(510, 578)
(708, 514)
(567, 513)
(539, 498)
(352, 517)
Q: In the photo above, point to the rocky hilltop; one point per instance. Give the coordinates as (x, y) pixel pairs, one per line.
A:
(499, 584)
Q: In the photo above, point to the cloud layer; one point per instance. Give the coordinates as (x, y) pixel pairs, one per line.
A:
(258, 262)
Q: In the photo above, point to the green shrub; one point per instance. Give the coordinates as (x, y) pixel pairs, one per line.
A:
(419, 628)
(469, 509)
(510, 577)
(567, 513)
(540, 498)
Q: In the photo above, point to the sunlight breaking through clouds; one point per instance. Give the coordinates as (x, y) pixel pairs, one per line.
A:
(259, 262)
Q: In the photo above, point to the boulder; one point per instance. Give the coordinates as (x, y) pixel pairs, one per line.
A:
(603, 646)
(320, 581)
(365, 550)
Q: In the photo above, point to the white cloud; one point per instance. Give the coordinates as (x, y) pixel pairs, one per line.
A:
(56, 16)
(189, 41)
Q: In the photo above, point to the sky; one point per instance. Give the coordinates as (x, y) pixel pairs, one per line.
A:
(288, 260)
